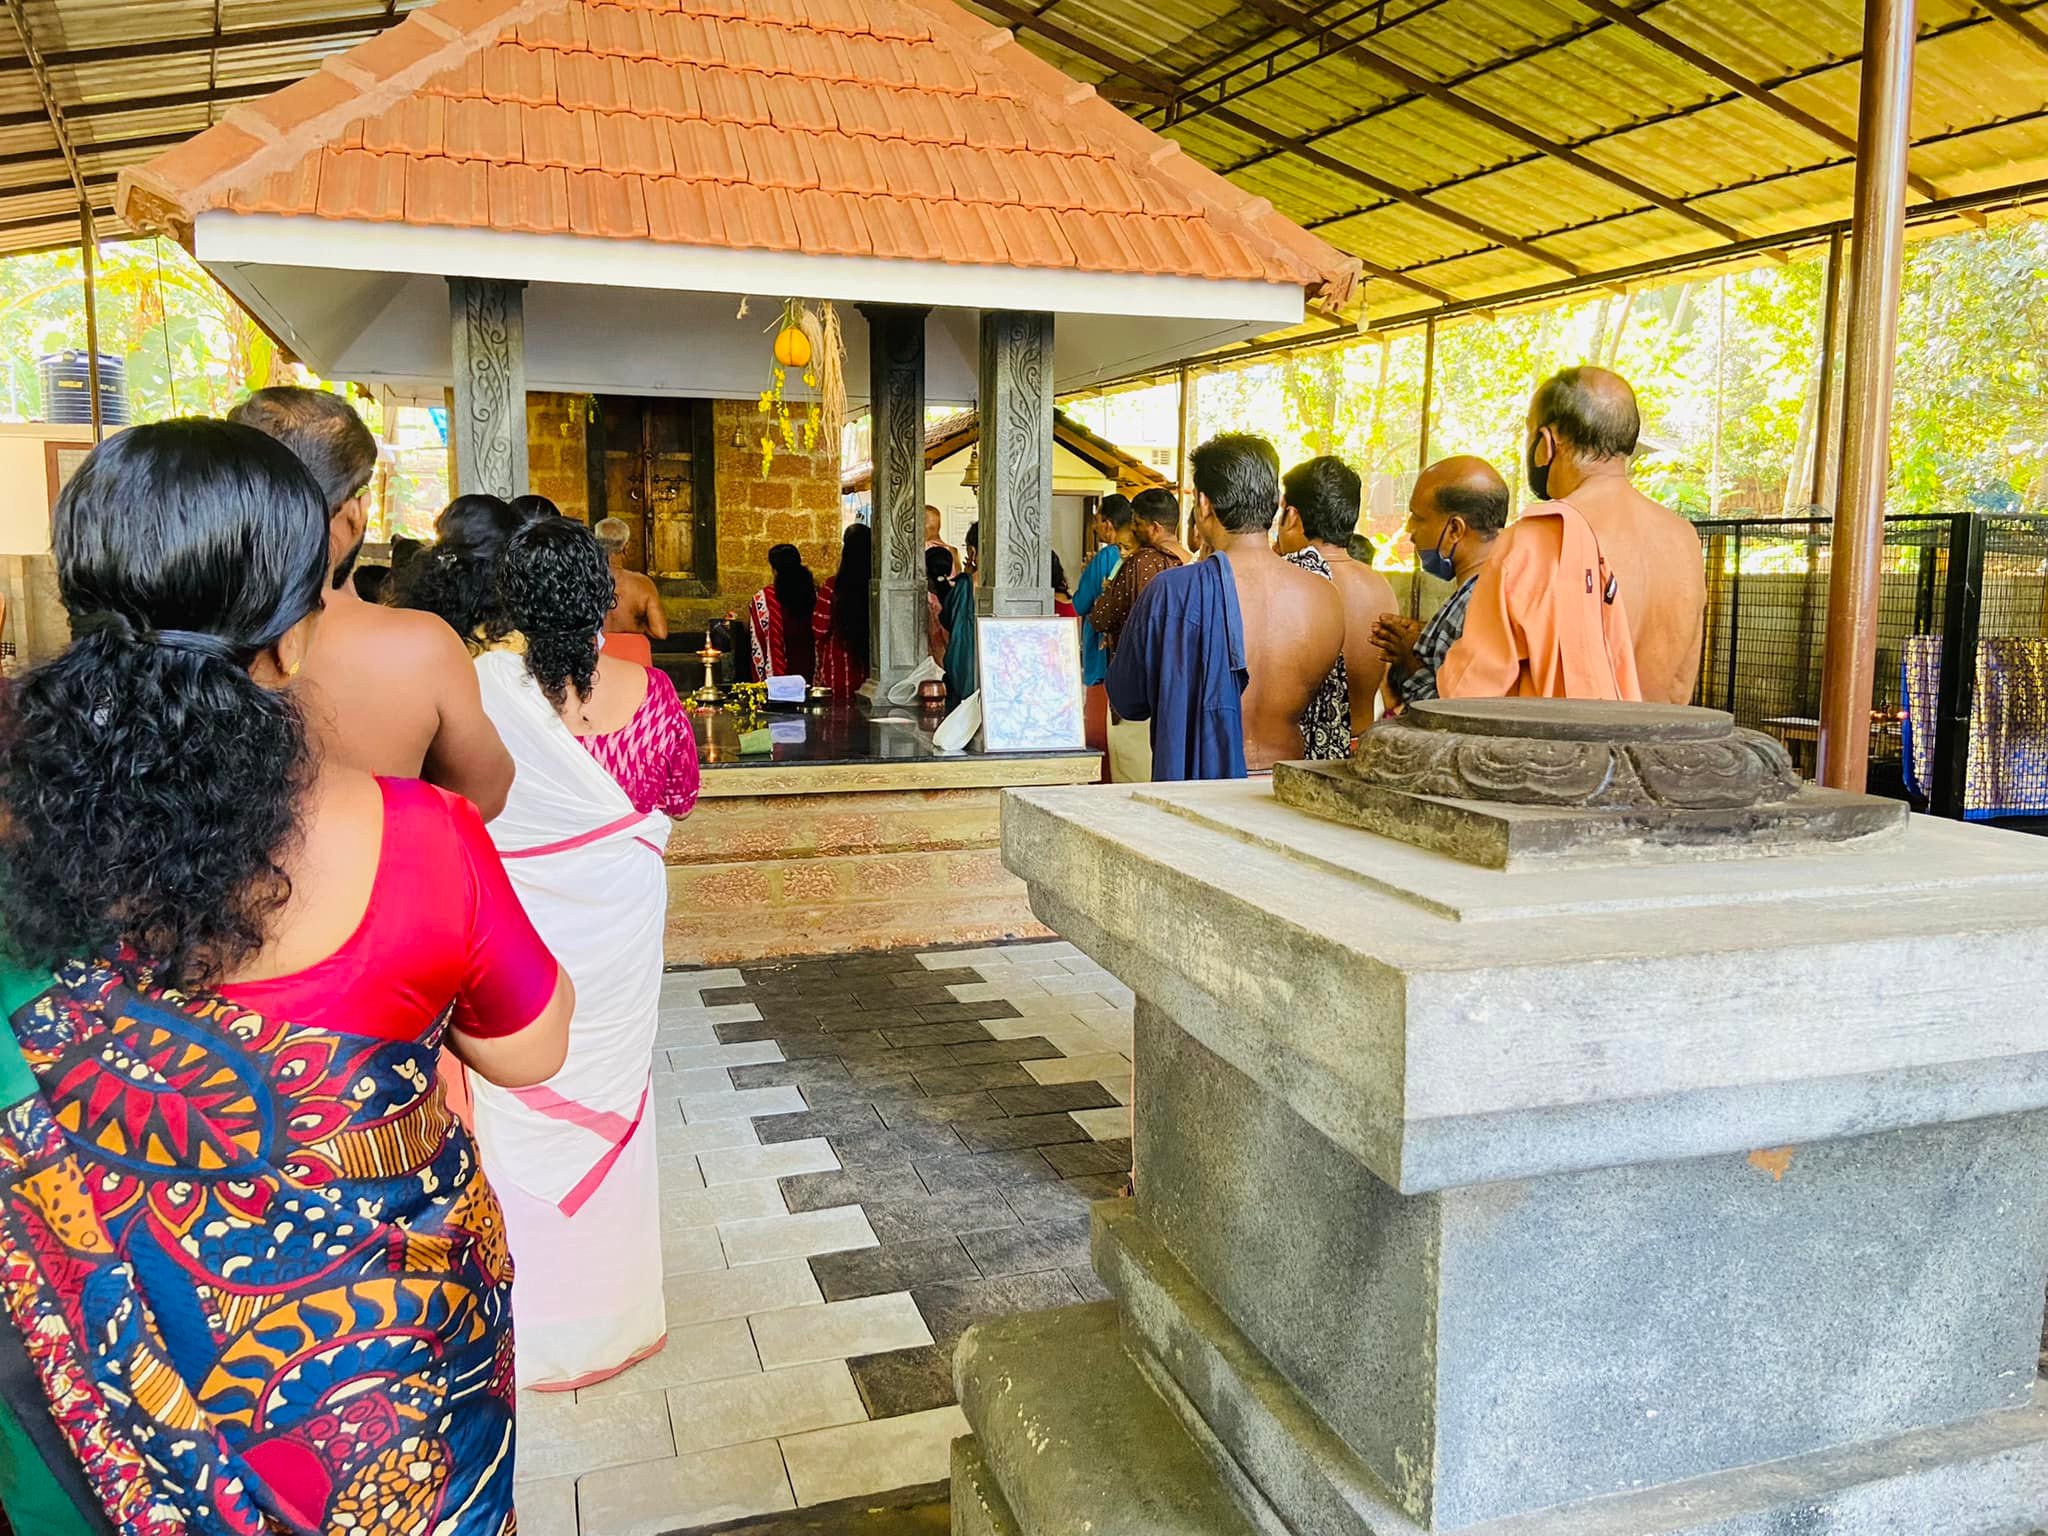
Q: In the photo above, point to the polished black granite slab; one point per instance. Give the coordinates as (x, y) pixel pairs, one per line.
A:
(843, 733)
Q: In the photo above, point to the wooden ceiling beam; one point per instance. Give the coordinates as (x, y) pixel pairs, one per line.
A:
(1444, 96)
(2011, 16)
(1735, 80)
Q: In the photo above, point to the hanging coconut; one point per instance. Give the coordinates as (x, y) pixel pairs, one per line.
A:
(793, 347)
(792, 343)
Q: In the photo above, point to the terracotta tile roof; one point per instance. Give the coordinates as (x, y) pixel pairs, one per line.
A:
(900, 128)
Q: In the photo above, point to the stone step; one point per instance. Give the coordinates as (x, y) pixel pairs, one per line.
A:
(1070, 1437)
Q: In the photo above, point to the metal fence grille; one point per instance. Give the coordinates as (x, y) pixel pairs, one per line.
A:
(1959, 720)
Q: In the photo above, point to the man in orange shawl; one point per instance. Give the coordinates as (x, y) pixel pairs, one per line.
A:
(1546, 620)
(1551, 615)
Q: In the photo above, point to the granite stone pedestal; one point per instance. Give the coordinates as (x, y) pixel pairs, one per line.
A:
(1681, 1174)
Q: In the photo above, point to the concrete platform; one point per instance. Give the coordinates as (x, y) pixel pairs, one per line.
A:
(1075, 1435)
(1076, 1440)
(1634, 1199)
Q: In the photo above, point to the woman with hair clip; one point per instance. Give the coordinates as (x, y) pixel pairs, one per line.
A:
(780, 616)
(256, 1280)
(605, 757)
(841, 628)
(453, 576)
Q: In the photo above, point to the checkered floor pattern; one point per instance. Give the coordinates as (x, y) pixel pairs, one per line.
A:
(860, 1158)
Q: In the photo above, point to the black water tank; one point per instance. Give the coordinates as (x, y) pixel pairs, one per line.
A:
(67, 389)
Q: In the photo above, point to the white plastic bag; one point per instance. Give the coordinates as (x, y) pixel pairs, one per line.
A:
(960, 727)
(925, 671)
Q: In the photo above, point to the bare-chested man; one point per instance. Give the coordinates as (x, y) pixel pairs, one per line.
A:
(386, 690)
(1583, 426)
(638, 609)
(1319, 504)
(935, 534)
(1224, 655)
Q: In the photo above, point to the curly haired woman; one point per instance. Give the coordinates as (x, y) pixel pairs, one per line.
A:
(454, 577)
(255, 1278)
(605, 756)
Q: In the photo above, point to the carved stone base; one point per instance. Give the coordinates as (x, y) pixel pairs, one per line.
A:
(1503, 783)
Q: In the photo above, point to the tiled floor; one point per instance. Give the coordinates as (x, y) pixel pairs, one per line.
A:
(860, 1159)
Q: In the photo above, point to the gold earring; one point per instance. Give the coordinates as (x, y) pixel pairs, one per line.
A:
(292, 668)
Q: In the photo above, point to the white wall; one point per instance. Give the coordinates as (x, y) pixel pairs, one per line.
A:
(1070, 531)
(25, 498)
(28, 577)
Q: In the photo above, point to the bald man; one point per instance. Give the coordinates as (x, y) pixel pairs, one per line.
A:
(638, 609)
(1583, 427)
(1455, 517)
(935, 535)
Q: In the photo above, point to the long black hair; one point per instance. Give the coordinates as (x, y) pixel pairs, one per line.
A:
(453, 577)
(850, 592)
(796, 594)
(554, 586)
(150, 786)
(527, 508)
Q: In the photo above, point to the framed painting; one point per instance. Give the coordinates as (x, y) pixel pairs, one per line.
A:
(1031, 690)
(60, 463)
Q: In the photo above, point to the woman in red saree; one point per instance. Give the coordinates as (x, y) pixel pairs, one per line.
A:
(780, 616)
(258, 1279)
(841, 629)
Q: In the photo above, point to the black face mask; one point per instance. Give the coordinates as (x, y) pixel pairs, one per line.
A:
(347, 568)
(1539, 474)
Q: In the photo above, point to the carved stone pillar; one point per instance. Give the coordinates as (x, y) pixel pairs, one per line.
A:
(1016, 462)
(488, 426)
(896, 383)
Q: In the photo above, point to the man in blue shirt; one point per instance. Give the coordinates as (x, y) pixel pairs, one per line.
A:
(1112, 518)
(1224, 655)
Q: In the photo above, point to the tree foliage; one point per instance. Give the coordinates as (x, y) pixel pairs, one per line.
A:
(1726, 369)
(187, 347)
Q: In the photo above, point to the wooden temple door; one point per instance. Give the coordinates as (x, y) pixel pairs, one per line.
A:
(654, 460)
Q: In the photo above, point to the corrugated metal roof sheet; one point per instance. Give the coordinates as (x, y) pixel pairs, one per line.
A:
(1300, 107)
(1282, 96)
(134, 77)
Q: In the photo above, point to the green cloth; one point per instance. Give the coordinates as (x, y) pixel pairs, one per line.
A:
(961, 663)
(34, 1499)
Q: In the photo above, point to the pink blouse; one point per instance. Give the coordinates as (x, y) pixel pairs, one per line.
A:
(654, 755)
